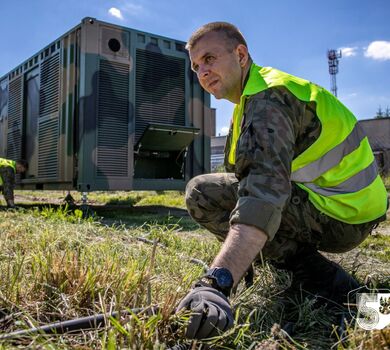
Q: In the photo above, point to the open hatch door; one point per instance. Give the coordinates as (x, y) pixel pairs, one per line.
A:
(161, 150)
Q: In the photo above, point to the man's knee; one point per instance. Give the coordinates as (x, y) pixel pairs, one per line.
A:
(219, 189)
(194, 190)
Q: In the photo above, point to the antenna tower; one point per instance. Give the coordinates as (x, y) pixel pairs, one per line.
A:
(333, 62)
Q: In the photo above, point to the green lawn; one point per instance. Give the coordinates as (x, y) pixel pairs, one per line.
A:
(56, 265)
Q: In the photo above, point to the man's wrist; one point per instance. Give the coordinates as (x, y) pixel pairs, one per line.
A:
(219, 278)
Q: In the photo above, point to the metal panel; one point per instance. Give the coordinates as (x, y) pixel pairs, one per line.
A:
(68, 112)
(50, 87)
(14, 144)
(15, 115)
(3, 116)
(31, 115)
(48, 124)
(164, 137)
(48, 148)
(114, 42)
(113, 119)
(160, 90)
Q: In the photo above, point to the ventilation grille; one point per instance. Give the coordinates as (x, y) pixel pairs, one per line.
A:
(15, 103)
(113, 119)
(15, 115)
(14, 141)
(160, 90)
(50, 86)
(48, 148)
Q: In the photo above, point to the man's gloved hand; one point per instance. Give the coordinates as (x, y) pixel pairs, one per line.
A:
(211, 315)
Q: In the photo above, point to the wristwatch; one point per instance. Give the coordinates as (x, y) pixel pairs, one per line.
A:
(219, 278)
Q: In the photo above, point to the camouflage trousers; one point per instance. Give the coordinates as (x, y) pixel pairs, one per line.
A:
(210, 199)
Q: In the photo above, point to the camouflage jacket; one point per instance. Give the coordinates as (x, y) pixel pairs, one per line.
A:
(8, 176)
(276, 127)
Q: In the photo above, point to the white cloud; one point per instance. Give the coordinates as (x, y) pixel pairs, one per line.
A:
(224, 130)
(378, 50)
(348, 51)
(113, 11)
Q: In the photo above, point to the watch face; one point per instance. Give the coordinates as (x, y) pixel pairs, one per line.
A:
(223, 277)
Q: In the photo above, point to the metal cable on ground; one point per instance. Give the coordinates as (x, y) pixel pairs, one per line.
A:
(84, 323)
(72, 326)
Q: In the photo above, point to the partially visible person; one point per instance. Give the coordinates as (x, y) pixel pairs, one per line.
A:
(8, 170)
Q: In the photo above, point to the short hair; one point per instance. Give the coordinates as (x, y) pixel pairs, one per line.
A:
(231, 32)
(23, 163)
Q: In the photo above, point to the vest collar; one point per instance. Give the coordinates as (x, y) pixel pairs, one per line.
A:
(255, 83)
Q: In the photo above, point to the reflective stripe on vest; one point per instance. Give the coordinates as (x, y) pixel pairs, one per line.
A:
(329, 160)
(338, 170)
(6, 163)
(354, 184)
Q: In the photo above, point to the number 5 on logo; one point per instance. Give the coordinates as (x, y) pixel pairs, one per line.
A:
(373, 310)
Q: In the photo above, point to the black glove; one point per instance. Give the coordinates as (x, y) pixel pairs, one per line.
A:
(211, 315)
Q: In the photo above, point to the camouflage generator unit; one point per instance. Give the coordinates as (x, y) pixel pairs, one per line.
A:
(106, 107)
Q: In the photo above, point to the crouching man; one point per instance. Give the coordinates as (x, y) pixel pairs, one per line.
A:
(301, 178)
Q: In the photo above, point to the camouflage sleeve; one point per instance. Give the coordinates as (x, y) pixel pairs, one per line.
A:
(8, 176)
(263, 160)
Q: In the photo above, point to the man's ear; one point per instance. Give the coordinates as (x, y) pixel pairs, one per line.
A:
(242, 53)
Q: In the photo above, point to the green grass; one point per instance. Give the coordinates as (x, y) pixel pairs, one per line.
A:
(132, 198)
(56, 265)
(378, 246)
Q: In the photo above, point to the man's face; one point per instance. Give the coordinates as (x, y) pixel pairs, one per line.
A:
(20, 169)
(219, 69)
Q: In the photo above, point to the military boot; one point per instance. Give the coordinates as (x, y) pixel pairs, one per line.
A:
(315, 274)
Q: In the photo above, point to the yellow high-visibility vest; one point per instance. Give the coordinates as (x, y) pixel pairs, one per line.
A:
(338, 170)
(5, 163)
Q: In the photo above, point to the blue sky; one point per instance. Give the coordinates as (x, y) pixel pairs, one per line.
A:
(291, 35)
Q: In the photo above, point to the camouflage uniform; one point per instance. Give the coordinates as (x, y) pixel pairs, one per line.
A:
(257, 190)
(8, 176)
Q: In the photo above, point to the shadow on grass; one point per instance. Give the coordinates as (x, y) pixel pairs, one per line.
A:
(131, 219)
(129, 216)
(130, 201)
